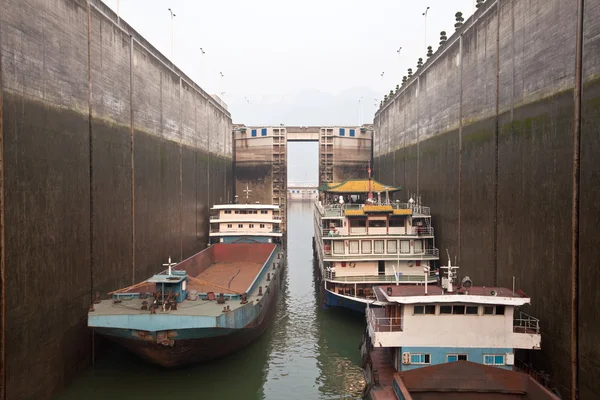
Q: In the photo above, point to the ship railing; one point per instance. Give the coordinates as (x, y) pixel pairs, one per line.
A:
(380, 323)
(331, 276)
(416, 255)
(526, 324)
(422, 230)
(334, 210)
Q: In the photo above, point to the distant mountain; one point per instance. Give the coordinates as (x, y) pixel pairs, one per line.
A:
(308, 107)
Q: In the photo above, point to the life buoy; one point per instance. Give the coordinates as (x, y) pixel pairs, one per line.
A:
(352, 265)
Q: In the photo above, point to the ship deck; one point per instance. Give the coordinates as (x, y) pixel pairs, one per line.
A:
(229, 269)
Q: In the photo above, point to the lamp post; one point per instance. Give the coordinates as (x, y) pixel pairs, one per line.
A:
(172, 31)
(202, 52)
(425, 15)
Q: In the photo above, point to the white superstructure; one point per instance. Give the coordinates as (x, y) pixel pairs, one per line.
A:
(255, 220)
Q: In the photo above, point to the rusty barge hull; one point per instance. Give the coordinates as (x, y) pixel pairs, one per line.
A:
(196, 345)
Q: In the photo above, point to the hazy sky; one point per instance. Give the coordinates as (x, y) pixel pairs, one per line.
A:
(295, 62)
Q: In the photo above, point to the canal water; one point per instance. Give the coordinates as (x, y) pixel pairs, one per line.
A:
(308, 353)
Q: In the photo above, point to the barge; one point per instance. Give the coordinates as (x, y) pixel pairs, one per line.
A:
(209, 305)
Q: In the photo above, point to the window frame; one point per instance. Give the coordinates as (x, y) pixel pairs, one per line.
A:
(362, 247)
(424, 358)
(458, 357)
(240, 226)
(421, 309)
(495, 357)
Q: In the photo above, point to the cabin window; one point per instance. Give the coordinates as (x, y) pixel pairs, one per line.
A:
(379, 246)
(494, 359)
(458, 309)
(488, 310)
(263, 211)
(230, 225)
(456, 357)
(354, 247)
(445, 309)
(420, 359)
(338, 247)
(419, 310)
(430, 309)
(396, 222)
(404, 246)
(240, 226)
(255, 212)
(228, 212)
(392, 246)
(366, 247)
(418, 246)
(499, 310)
(377, 223)
(262, 225)
(472, 310)
(237, 211)
(251, 226)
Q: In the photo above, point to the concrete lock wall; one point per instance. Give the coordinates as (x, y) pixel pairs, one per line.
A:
(92, 204)
(484, 133)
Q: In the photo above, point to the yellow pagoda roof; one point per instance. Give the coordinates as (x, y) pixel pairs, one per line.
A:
(385, 209)
(359, 186)
(403, 211)
(354, 212)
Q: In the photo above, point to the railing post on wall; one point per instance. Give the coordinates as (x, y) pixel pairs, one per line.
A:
(577, 97)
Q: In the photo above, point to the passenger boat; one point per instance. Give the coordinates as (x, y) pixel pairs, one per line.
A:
(475, 329)
(361, 240)
(209, 305)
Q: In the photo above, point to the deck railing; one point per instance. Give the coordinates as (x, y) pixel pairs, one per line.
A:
(414, 231)
(335, 210)
(331, 276)
(526, 324)
(417, 255)
(380, 323)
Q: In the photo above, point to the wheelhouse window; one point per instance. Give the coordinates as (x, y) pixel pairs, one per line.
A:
(458, 309)
(445, 309)
(472, 310)
(430, 309)
(493, 310)
(418, 310)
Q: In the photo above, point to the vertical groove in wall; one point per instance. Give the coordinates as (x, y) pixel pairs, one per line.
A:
(208, 164)
(404, 144)
(512, 83)
(418, 135)
(91, 149)
(180, 176)
(2, 248)
(496, 138)
(576, 180)
(132, 155)
(460, 129)
(91, 168)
